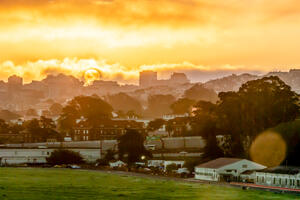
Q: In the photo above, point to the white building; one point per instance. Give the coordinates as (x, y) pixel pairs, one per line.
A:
(165, 163)
(279, 177)
(118, 163)
(225, 169)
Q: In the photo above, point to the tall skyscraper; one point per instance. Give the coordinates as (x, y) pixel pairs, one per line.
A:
(148, 78)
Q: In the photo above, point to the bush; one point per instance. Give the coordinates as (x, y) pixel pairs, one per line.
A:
(171, 167)
(191, 163)
(59, 157)
(109, 156)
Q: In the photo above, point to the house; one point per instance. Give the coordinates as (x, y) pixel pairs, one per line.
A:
(225, 169)
(105, 129)
(11, 137)
(284, 177)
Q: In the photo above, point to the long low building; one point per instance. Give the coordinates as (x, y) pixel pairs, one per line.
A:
(225, 169)
(38, 156)
(279, 177)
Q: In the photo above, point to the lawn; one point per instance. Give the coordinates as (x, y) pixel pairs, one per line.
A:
(47, 184)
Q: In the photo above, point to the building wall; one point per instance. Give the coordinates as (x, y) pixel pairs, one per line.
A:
(19, 156)
(206, 174)
(277, 180)
(169, 143)
(230, 171)
(179, 143)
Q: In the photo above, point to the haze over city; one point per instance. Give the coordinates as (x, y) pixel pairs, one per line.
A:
(217, 38)
(149, 99)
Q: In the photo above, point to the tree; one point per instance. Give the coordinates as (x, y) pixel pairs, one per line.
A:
(42, 129)
(258, 105)
(91, 107)
(109, 156)
(156, 124)
(46, 113)
(3, 126)
(67, 119)
(199, 92)
(124, 102)
(33, 127)
(159, 105)
(191, 163)
(171, 167)
(47, 123)
(61, 156)
(31, 112)
(182, 106)
(131, 145)
(56, 109)
(204, 120)
(212, 149)
(290, 132)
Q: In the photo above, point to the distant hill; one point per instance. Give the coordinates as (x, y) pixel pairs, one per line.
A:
(234, 82)
(8, 115)
(229, 83)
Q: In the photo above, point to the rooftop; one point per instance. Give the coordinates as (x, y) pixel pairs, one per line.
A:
(218, 163)
(282, 170)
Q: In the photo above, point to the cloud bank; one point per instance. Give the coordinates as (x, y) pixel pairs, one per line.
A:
(90, 69)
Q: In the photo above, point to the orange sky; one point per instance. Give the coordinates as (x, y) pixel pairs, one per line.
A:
(122, 37)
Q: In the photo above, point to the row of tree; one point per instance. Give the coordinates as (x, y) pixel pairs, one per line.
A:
(131, 149)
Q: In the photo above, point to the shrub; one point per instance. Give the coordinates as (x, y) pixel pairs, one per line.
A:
(171, 167)
(61, 156)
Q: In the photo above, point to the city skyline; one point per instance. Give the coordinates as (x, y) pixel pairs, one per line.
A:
(76, 37)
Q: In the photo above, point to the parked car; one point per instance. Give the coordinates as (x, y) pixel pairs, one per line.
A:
(73, 167)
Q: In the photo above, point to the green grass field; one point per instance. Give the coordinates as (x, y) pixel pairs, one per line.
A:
(44, 184)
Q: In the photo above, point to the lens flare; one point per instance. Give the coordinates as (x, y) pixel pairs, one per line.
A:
(268, 149)
(91, 75)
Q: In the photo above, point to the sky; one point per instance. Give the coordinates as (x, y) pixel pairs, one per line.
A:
(116, 39)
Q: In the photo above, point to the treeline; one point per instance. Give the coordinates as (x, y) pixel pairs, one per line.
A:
(239, 117)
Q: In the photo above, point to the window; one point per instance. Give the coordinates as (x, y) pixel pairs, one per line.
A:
(274, 181)
(263, 179)
(244, 166)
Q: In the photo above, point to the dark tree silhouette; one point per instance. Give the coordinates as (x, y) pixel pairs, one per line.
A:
(91, 107)
(159, 105)
(61, 156)
(56, 109)
(125, 103)
(212, 149)
(131, 145)
(156, 124)
(198, 92)
(182, 106)
(257, 106)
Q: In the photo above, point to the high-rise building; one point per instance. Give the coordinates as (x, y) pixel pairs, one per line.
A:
(15, 83)
(148, 78)
(179, 78)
